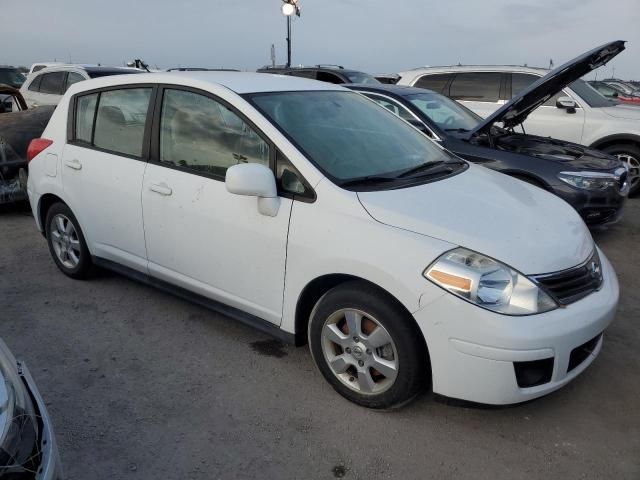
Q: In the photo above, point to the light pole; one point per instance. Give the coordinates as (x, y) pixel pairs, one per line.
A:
(290, 8)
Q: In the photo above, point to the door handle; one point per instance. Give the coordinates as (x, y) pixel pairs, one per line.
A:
(75, 164)
(161, 188)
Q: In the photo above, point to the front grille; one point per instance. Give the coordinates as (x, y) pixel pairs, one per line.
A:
(581, 353)
(571, 285)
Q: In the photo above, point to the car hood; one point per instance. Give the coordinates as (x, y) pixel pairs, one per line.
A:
(516, 223)
(516, 111)
(622, 110)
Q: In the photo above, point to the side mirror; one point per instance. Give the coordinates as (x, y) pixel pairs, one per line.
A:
(254, 180)
(567, 103)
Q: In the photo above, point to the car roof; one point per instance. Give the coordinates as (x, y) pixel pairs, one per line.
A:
(327, 68)
(87, 68)
(476, 68)
(238, 82)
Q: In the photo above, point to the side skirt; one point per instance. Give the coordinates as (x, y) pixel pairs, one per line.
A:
(235, 313)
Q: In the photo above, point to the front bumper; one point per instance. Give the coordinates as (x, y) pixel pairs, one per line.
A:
(596, 207)
(50, 467)
(474, 352)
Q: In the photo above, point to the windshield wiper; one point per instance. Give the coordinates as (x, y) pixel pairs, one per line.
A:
(430, 168)
(368, 180)
(459, 130)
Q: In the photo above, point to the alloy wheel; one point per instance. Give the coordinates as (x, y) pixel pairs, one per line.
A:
(634, 168)
(65, 241)
(359, 351)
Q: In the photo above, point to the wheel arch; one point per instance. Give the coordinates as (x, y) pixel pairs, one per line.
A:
(44, 204)
(319, 286)
(615, 139)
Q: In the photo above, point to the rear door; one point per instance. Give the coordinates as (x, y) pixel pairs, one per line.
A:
(548, 120)
(102, 170)
(199, 236)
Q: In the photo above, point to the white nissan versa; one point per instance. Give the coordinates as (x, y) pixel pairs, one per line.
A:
(312, 213)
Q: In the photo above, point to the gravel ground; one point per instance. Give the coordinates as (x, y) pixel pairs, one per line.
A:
(144, 385)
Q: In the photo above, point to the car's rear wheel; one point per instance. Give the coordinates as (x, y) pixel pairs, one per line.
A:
(66, 242)
(630, 155)
(367, 347)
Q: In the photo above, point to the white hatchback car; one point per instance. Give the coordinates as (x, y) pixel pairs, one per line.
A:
(311, 212)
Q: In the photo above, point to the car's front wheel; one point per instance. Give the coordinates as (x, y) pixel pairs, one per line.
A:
(367, 347)
(66, 242)
(630, 155)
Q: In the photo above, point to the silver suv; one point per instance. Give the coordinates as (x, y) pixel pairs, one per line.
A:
(577, 113)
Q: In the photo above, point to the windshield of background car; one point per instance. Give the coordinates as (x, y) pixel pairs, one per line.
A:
(359, 77)
(347, 135)
(11, 77)
(590, 95)
(448, 114)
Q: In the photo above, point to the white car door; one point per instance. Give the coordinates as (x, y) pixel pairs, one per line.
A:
(199, 236)
(102, 171)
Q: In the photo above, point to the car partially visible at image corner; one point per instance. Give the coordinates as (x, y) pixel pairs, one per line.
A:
(11, 76)
(406, 266)
(325, 73)
(577, 113)
(614, 93)
(28, 448)
(47, 85)
(594, 183)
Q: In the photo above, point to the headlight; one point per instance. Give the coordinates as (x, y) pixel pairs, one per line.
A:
(488, 283)
(18, 420)
(589, 180)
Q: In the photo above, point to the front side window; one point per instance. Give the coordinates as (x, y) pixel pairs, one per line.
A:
(476, 86)
(437, 82)
(448, 114)
(394, 107)
(520, 81)
(72, 78)
(52, 83)
(34, 86)
(203, 135)
(347, 136)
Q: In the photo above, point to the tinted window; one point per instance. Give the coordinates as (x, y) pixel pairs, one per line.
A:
(479, 87)
(520, 81)
(203, 135)
(329, 77)
(37, 68)
(72, 78)
(106, 73)
(359, 77)
(85, 109)
(303, 73)
(346, 135)
(121, 119)
(437, 83)
(34, 86)
(11, 77)
(591, 95)
(52, 83)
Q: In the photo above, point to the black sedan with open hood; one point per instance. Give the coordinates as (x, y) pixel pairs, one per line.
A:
(594, 183)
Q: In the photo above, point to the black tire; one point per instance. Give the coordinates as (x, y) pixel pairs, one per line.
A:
(413, 370)
(83, 267)
(631, 156)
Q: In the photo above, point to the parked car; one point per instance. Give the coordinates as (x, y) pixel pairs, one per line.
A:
(388, 78)
(200, 69)
(403, 262)
(324, 73)
(625, 87)
(11, 76)
(613, 93)
(594, 183)
(47, 86)
(576, 112)
(28, 448)
(17, 129)
(36, 67)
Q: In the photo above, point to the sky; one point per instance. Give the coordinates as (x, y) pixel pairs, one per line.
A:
(375, 36)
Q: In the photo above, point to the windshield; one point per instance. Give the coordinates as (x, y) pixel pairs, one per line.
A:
(346, 135)
(448, 114)
(590, 95)
(359, 77)
(11, 77)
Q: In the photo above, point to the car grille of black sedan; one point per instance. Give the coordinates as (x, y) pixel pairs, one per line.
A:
(568, 286)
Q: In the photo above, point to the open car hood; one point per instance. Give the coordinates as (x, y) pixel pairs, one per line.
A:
(515, 112)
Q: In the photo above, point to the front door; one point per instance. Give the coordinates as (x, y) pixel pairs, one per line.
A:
(198, 235)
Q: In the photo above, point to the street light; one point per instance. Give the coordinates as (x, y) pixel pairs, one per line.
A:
(289, 8)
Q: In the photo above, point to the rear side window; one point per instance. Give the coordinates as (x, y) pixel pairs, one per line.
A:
(476, 86)
(328, 77)
(52, 83)
(202, 135)
(303, 73)
(113, 120)
(437, 83)
(34, 86)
